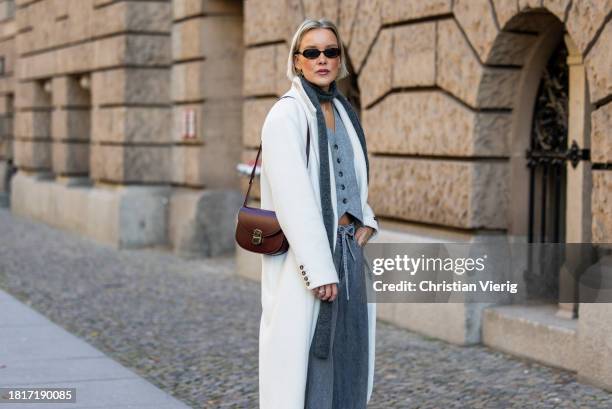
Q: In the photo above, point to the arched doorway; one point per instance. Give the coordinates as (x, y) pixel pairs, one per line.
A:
(550, 196)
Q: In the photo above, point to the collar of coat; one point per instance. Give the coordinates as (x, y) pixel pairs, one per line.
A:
(297, 89)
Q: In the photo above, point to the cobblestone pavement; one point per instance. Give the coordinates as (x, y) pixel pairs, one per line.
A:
(190, 327)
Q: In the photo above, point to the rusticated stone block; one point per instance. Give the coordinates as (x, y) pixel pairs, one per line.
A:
(132, 16)
(222, 121)
(266, 21)
(601, 135)
(601, 206)
(493, 47)
(585, 19)
(505, 11)
(460, 72)
(36, 66)
(79, 25)
(527, 5)
(598, 63)
(32, 155)
(132, 49)
(394, 11)
(33, 124)
(74, 59)
(411, 123)
(131, 163)
(348, 12)
(377, 73)
(255, 111)
(187, 166)
(31, 94)
(203, 222)
(222, 38)
(187, 39)
(260, 75)
(367, 24)
(188, 8)
(282, 82)
(131, 86)
(450, 193)
(212, 36)
(414, 55)
(7, 50)
(211, 78)
(187, 81)
(67, 91)
(6, 148)
(557, 7)
(132, 124)
(71, 124)
(70, 158)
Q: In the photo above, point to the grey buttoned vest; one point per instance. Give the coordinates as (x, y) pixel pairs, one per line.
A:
(348, 198)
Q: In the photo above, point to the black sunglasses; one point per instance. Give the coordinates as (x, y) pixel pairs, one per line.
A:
(312, 53)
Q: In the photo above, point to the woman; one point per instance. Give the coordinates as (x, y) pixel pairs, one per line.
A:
(316, 343)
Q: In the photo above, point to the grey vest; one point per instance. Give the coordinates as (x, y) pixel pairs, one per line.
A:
(347, 192)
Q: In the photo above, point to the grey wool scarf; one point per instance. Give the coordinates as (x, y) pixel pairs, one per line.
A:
(322, 336)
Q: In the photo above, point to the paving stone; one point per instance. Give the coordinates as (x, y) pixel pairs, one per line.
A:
(190, 327)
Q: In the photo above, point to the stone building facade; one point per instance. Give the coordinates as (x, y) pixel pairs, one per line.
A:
(123, 117)
(124, 121)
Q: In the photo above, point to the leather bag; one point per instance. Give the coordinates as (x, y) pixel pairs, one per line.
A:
(258, 230)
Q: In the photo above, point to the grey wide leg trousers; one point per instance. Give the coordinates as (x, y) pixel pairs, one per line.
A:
(340, 380)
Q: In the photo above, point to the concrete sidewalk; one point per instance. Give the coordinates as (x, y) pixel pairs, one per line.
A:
(35, 352)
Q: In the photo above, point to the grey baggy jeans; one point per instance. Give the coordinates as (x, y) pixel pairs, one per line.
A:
(340, 380)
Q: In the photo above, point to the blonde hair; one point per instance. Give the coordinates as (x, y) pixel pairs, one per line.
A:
(307, 25)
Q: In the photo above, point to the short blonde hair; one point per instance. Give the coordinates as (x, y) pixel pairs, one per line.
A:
(307, 25)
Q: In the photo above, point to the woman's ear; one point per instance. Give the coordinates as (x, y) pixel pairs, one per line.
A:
(295, 63)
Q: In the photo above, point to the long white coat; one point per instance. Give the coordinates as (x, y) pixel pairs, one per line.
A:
(290, 309)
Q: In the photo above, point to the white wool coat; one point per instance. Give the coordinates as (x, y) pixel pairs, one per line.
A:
(289, 308)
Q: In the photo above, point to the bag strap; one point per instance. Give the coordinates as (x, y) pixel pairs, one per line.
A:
(246, 196)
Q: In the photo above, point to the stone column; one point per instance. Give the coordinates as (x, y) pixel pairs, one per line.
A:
(207, 53)
(131, 103)
(32, 144)
(578, 203)
(71, 126)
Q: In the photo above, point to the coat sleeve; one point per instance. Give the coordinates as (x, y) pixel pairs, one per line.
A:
(369, 219)
(284, 163)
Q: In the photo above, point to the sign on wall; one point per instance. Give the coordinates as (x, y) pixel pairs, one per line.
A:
(189, 124)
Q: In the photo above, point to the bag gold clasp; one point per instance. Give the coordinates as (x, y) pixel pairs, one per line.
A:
(257, 238)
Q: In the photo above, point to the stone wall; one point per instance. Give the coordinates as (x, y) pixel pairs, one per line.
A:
(207, 55)
(439, 89)
(93, 95)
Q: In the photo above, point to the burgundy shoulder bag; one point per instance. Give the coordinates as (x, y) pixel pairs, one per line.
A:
(258, 230)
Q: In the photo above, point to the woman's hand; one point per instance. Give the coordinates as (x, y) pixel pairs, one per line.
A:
(363, 234)
(326, 292)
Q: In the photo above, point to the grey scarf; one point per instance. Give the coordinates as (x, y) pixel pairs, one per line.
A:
(322, 336)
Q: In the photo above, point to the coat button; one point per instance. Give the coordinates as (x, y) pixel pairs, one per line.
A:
(342, 187)
(336, 146)
(303, 273)
(340, 173)
(338, 160)
(307, 282)
(301, 267)
(306, 278)
(344, 200)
